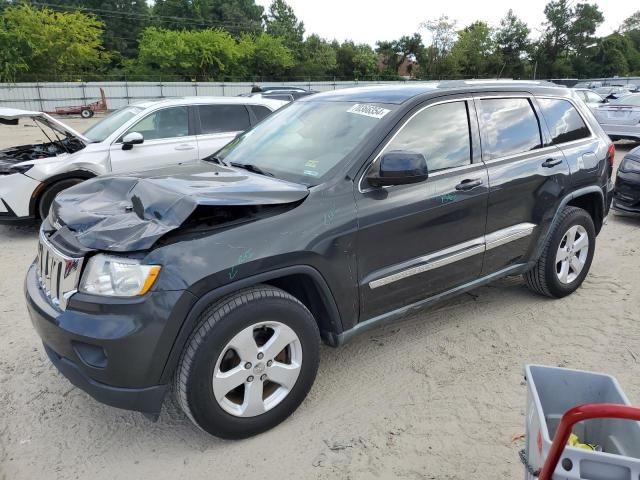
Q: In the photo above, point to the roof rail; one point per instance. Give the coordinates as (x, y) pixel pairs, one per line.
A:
(495, 81)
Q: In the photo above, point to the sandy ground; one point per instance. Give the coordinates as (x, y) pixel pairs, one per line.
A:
(436, 396)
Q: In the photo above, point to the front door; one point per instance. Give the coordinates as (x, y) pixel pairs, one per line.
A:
(527, 175)
(168, 140)
(417, 240)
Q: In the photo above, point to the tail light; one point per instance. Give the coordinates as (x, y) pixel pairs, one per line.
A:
(611, 154)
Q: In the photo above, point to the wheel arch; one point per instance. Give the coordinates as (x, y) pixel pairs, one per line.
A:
(590, 199)
(303, 282)
(45, 185)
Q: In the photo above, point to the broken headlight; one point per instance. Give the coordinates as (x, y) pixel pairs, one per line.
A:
(117, 276)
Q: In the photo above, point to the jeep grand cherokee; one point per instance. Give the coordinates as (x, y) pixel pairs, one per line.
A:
(340, 212)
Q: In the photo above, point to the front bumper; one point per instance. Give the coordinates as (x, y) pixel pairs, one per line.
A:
(113, 349)
(16, 191)
(626, 197)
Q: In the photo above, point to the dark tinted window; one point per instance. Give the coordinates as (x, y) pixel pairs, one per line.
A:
(260, 112)
(440, 133)
(223, 118)
(509, 126)
(564, 122)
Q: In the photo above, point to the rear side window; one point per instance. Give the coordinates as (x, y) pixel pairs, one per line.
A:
(440, 133)
(260, 112)
(564, 122)
(509, 127)
(223, 118)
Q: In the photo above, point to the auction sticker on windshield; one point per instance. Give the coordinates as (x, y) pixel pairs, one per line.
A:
(368, 110)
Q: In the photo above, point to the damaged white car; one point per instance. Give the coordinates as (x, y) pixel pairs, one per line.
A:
(135, 138)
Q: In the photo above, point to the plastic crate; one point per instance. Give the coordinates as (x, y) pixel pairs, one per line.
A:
(551, 392)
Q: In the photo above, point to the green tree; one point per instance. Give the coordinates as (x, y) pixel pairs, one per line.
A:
(188, 54)
(512, 44)
(631, 29)
(436, 61)
(355, 61)
(263, 56)
(616, 55)
(235, 16)
(176, 14)
(317, 59)
(394, 53)
(474, 51)
(281, 21)
(566, 42)
(51, 43)
(123, 20)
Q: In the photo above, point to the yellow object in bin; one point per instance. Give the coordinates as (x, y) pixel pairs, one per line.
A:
(574, 441)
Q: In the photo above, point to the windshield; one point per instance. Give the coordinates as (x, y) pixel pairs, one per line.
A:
(633, 99)
(304, 141)
(109, 124)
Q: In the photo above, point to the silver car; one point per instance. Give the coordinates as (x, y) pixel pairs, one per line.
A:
(591, 98)
(620, 118)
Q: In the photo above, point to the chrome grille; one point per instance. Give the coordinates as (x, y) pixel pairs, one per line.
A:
(59, 274)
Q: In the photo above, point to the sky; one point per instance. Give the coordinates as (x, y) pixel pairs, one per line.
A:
(365, 21)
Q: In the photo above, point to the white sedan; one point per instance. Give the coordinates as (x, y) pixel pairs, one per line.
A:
(138, 137)
(620, 118)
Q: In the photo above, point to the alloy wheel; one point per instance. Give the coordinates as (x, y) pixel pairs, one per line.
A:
(257, 369)
(572, 254)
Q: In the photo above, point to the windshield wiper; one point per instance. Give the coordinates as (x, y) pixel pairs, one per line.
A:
(252, 168)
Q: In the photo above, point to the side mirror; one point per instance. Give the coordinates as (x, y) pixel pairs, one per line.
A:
(399, 168)
(131, 139)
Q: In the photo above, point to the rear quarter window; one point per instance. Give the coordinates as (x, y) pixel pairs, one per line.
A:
(564, 122)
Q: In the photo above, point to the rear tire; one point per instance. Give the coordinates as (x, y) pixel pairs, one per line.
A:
(249, 363)
(566, 256)
(47, 197)
(86, 113)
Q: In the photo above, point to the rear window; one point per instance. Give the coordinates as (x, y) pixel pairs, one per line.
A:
(509, 127)
(223, 118)
(564, 122)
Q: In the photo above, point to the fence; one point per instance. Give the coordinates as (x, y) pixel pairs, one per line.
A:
(47, 96)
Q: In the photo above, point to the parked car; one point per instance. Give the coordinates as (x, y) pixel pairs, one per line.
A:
(588, 84)
(137, 137)
(591, 98)
(620, 118)
(626, 197)
(279, 92)
(345, 210)
(611, 92)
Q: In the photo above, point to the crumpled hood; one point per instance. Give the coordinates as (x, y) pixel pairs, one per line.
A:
(127, 213)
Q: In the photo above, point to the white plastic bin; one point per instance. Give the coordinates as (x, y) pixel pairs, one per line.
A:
(551, 392)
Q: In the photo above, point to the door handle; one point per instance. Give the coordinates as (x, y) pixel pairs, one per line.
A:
(469, 184)
(551, 162)
(184, 146)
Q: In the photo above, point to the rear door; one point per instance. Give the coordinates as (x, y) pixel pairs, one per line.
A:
(218, 125)
(527, 176)
(417, 240)
(168, 140)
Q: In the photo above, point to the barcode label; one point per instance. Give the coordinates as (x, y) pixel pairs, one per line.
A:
(368, 110)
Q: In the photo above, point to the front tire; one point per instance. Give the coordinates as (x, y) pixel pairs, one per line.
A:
(566, 256)
(249, 363)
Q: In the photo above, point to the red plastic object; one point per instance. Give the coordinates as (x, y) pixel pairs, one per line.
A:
(578, 414)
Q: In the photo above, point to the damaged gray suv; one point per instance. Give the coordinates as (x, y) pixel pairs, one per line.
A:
(340, 212)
